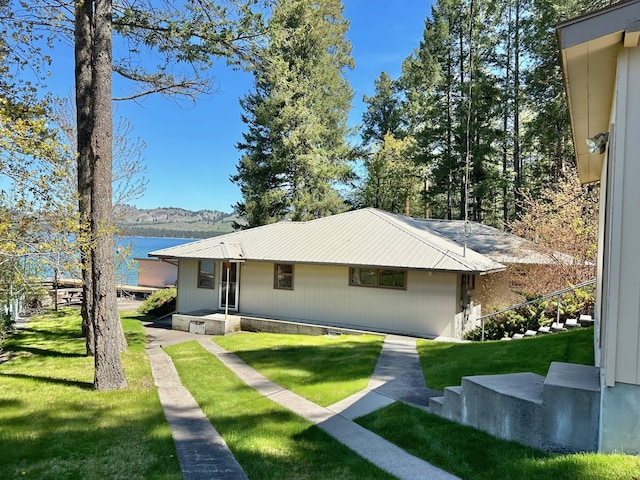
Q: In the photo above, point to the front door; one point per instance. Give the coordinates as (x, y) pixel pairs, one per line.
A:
(228, 286)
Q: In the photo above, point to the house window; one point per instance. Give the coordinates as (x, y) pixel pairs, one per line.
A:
(283, 276)
(363, 277)
(205, 274)
(377, 277)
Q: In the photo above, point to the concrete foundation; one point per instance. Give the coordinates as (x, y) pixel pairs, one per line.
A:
(255, 324)
(620, 422)
(205, 322)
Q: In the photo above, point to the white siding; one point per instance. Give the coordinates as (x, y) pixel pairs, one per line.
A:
(621, 319)
(322, 294)
(190, 297)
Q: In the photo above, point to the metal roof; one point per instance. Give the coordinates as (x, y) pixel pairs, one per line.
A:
(367, 237)
(498, 245)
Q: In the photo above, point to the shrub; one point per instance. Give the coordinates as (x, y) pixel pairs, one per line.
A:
(6, 326)
(160, 302)
(535, 315)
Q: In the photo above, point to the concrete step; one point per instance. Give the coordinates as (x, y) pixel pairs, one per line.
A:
(435, 405)
(586, 321)
(571, 399)
(506, 406)
(452, 407)
(571, 323)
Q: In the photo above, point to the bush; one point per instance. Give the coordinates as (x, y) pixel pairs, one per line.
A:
(6, 326)
(160, 302)
(535, 315)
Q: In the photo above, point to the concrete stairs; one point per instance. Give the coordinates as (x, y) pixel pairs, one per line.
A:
(569, 324)
(558, 412)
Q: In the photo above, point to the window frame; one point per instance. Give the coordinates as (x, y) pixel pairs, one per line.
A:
(378, 272)
(276, 276)
(202, 275)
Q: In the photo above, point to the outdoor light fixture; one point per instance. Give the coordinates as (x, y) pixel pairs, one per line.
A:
(598, 142)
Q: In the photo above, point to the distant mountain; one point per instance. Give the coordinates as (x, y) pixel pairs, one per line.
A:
(173, 222)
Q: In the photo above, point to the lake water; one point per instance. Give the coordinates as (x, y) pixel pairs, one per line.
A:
(127, 268)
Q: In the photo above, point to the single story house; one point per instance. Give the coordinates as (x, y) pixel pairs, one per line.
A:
(366, 269)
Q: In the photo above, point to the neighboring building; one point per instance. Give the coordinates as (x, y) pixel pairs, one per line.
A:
(601, 63)
(156, 273)
(365, 269)
(522, 258)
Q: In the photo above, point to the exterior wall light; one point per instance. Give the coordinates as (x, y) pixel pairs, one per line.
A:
(598, 142)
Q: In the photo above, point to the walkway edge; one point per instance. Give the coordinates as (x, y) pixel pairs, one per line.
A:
(374, 448)
(202, 452)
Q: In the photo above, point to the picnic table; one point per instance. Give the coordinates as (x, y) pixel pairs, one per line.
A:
(69, 295)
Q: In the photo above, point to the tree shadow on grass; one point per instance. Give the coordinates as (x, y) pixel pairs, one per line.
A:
(44, 352)
(51, 380)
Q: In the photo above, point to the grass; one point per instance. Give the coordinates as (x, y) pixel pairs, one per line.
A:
(475, 455)
(53, 425)
(444, 364)
(323, 369)
(268, 440)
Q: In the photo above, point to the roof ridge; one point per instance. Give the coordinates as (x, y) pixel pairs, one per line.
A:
(447, 253)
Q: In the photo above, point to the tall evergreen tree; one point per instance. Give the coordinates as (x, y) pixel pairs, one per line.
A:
(451, 102)
(384, 114)
(294, 152)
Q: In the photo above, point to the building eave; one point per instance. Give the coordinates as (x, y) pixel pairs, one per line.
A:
(589, 46)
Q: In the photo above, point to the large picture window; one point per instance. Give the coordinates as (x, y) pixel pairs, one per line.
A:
(377, 277)
(283, 276)
(205, 274)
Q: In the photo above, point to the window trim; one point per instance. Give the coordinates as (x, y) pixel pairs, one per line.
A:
(276, 285)
(205, 285)
(377, 278)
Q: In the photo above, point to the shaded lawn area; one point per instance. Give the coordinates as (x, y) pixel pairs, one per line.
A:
(475, 455)
(269, 441)
(444, 363)
(322, 369)
(53, 425)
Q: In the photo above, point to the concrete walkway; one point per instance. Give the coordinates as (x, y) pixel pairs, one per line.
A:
(395, 378)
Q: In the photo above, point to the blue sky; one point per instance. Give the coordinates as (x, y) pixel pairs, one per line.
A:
(190, 149)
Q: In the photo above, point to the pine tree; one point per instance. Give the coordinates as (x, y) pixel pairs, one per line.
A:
(294, 152)
(384, 114)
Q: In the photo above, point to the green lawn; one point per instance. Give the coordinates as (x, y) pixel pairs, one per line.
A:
(323, 369)
(444, 364)
(475, 455)
(268, 440)
(53, 425)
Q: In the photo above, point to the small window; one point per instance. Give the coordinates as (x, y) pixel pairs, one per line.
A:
(283, 276)
(205, 274)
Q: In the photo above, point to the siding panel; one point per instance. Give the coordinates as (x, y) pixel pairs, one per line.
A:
(190, 297)
(322, 294)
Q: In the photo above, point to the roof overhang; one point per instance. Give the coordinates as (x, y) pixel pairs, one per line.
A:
(224, 251)
(589, 46)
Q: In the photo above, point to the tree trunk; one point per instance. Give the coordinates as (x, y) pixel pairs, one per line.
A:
(517, 160)
(84, 122)
(109, 373)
